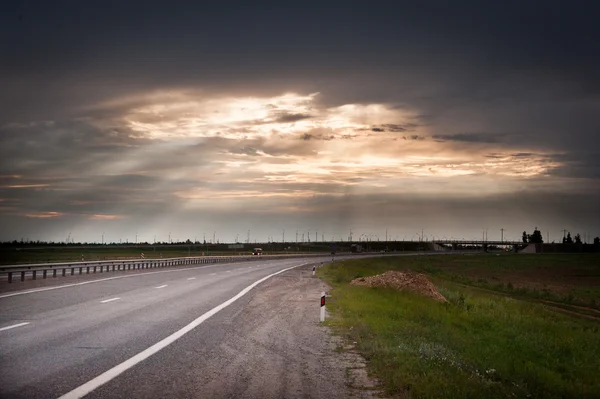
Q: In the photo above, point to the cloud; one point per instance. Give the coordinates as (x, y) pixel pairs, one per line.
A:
(43, 215)
(469, 137)
(289, 118)
(393, 127)
(108, 128)
(106, 217)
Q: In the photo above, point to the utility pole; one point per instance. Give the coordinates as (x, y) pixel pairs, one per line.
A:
(283, 236)
(296, 236)
(316, 236)
(385, 234)
(564, 234)
(502, 235)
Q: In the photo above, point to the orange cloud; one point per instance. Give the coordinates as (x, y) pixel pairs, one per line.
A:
(44, 215)
(106, 217)
(25, 186)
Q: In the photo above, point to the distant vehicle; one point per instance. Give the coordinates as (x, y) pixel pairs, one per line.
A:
(356, 248)
(257, 251)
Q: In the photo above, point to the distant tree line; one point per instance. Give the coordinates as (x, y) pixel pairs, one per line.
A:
(536, 238)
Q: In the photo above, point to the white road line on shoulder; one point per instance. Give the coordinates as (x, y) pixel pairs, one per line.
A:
(191, 278)
(108, 375)
(33, 291)
(14, 326)
(110, 300)
(161, 286)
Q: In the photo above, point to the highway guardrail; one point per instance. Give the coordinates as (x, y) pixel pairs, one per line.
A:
(80, 268)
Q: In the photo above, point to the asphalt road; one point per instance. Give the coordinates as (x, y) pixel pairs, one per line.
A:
(77, 332)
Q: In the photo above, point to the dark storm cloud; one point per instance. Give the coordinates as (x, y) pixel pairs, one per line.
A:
(518, 74)
(469, 137)
(579, 165)
(284, 117)
(522, 154)
(392, 127)
(102, 49)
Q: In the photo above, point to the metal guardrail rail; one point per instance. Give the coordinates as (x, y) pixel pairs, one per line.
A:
(80, 268)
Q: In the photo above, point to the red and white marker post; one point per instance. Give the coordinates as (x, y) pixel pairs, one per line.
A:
(322, 317)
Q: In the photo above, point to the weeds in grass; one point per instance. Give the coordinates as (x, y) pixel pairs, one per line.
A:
(477, 345)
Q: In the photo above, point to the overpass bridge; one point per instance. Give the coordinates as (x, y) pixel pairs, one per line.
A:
(485, 244)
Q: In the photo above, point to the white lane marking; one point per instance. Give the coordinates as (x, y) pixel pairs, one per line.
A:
(161, 286)
(110, 300)
(228, 271)
(33, 291)
(108, 375)
(105, 279)
(13, 326)
(191, 278)
(213, 274)
(249, 267)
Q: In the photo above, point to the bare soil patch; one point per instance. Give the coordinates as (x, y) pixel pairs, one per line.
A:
(415, 282)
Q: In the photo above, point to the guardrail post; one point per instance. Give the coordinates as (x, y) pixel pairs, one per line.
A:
(80, 270)
(10, 277)
(22, 276)
(94, 269)
(33, 273)
(72, 271)
(64, 272)
(44, 273)
(53, 272)
(87, 271)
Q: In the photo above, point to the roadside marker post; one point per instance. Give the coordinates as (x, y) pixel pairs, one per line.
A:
(322, 317)
(314, 268)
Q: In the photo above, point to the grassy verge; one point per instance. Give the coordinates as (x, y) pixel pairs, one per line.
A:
(569, 279)
(477, 345)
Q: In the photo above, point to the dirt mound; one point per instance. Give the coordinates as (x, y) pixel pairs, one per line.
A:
(402, 280)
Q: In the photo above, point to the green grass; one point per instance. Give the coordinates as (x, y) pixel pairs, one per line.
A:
(478, 345)
(570, 279)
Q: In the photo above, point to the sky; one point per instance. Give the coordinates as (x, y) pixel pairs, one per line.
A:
(157, 121)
